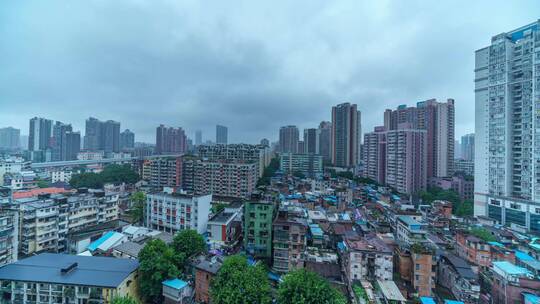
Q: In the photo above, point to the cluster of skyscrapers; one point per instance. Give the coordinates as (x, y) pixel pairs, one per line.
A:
(57, 141)
(338, 141)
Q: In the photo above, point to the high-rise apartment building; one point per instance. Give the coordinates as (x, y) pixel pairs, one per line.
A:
(102, 135)
(10, 138)
(221, 135)
(346, 135)
(39, 134)
(406, 159)
(288, 139)
(438, 120)
(59, 131)
(311, 141)
(198, 137)
(507, 145)
(258, 154)
(161, 172)
(310, 165)
(325, 140)
(224, 178)
(65, 143)
(127, 140)
(467, 147)
(110, 136)
(374, 155)
(92, 134)
(170, 140)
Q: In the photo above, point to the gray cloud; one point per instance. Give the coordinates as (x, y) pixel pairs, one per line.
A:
(249, 65)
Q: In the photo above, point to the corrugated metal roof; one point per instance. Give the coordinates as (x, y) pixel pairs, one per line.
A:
(90, 271)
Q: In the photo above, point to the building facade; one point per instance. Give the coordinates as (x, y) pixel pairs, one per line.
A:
(61, 278)
(325, 140)
(127, 140)
(310, 165)
(438, 120)
(311, 141)
(406, 159)
(258, 218)
(259, 154)
(221, 135)
(507, 145)
(288, 139)
(39, 135)
(346, 135)
(170, 140)
(374, 155)
(10, 138)
(467, 147)
(222, 178)
(172, 212)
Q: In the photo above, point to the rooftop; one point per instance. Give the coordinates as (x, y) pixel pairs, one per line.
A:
(87, 271)
(509, 268)
(175, 283)
(222, 218)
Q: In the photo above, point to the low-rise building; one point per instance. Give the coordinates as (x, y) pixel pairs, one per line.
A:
(60, 278)
(457, 275)
(258, 218)
(9, 233)
(510, 282)
(205, 270)
(409, 231)
(172, 212)
(224, 229)
(368, 259)
(289, 241)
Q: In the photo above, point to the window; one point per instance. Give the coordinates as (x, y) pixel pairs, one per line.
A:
(417, 266)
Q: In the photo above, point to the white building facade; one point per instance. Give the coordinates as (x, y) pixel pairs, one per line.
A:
(507, 143)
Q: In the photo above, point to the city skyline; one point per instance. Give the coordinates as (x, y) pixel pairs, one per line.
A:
(245, 79)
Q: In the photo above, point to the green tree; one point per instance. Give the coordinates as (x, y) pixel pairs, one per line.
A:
(483, 234)
(157, 263)
(123, 300)
(111, 174)
(466, 208)
(138, 200)
(189, 243)
(86, 180)
(306, 287)
(299, 174)
(237, 282)
(268, 172)
(217, 208)
(42, 183)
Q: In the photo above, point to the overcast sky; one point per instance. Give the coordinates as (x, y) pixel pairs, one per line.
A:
(249, 65)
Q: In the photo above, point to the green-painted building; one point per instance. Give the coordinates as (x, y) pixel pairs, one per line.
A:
(258, 218)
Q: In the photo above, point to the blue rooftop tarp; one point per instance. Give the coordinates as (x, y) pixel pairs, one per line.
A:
(95, 244)
(531, 298)
(427, 300)
(510, 268)
(175, 283)
(316, 230)
(341, 246)
(496, 244)
(452, 302)
(520, 255)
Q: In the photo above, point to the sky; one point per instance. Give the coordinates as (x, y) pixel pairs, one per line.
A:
(250, 65)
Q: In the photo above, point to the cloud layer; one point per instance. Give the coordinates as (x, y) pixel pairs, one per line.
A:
(249, 65)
